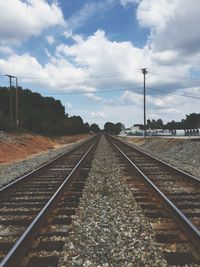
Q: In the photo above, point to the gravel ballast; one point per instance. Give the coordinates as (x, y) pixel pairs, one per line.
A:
(109, 228)
(185, 156)
(9, 172)
(181, 153)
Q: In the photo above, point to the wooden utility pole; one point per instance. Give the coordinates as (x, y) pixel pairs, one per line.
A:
(144, 71)
(11, 101)
(17, 104)
(11, 104)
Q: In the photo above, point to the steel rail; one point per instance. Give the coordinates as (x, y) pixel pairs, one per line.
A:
(8, 186)
(187, 175)
(19, 249)
(187, 225)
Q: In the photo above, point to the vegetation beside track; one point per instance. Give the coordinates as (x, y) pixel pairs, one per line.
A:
(38, 114)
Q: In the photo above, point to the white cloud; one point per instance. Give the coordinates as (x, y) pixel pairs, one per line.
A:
(97, 63)
(56, 74)
(100, 56)
(48, 53)
(97, 115)
(97, 99)
(22, 19)
(128, 115)
(23, 65)
(68, 105)
(93, 97)
(156, 13)
(129, 98)
(128, 108)
(6, 50)
(50, 39)
(156, 102)
(174, 24)
(166, 57)
(68, 33)
(120, 62)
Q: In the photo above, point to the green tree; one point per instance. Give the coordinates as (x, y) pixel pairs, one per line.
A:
(117, 127)
(108, 127)
(39, 114)
(153, 124)
(94, 128)
(192, 121)
(112, 128)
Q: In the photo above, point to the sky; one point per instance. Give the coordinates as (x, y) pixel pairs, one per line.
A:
(89, 54)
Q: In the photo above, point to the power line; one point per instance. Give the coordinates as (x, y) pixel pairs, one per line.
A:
(117, 74)
(170, 93)
(121, 90)
(118, 90)
(189, 79)
(96, 92)
(113, 75)
(98, 76)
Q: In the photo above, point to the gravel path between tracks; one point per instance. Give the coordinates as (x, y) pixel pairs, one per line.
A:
(9, 172)
(109, 228)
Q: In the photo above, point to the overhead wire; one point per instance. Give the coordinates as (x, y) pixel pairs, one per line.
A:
(97, 92)
(98, 76)
(178, 77)
(172, 93)
(116, 75)
(112, 75)
(121, 90)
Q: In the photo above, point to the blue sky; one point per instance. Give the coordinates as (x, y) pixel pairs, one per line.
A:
(89, 54)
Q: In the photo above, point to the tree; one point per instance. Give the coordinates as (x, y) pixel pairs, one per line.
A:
(112, 128)
(192, 121)
(159, 124)
(108, 127)
(86, 127)
(155, 124)
(118, 127)
(94, 128)
(39, 114)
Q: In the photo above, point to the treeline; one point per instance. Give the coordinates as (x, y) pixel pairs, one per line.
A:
(192, 121)
(38, 114)
(113, 128)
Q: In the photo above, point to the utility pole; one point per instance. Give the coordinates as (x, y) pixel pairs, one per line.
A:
(17, 119)
(144, 71)
(11, 105)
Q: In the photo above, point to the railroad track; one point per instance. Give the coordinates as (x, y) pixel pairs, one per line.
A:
(36, 210)
(169, 198)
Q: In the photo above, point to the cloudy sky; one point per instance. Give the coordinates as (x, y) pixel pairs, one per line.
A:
(89, 54)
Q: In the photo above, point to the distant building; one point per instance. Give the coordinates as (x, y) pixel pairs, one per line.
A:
(159, 132)
(135, 128)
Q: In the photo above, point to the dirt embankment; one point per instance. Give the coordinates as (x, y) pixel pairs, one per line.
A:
(14, 147)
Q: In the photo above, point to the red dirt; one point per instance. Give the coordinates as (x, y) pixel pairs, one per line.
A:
(14, 147)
